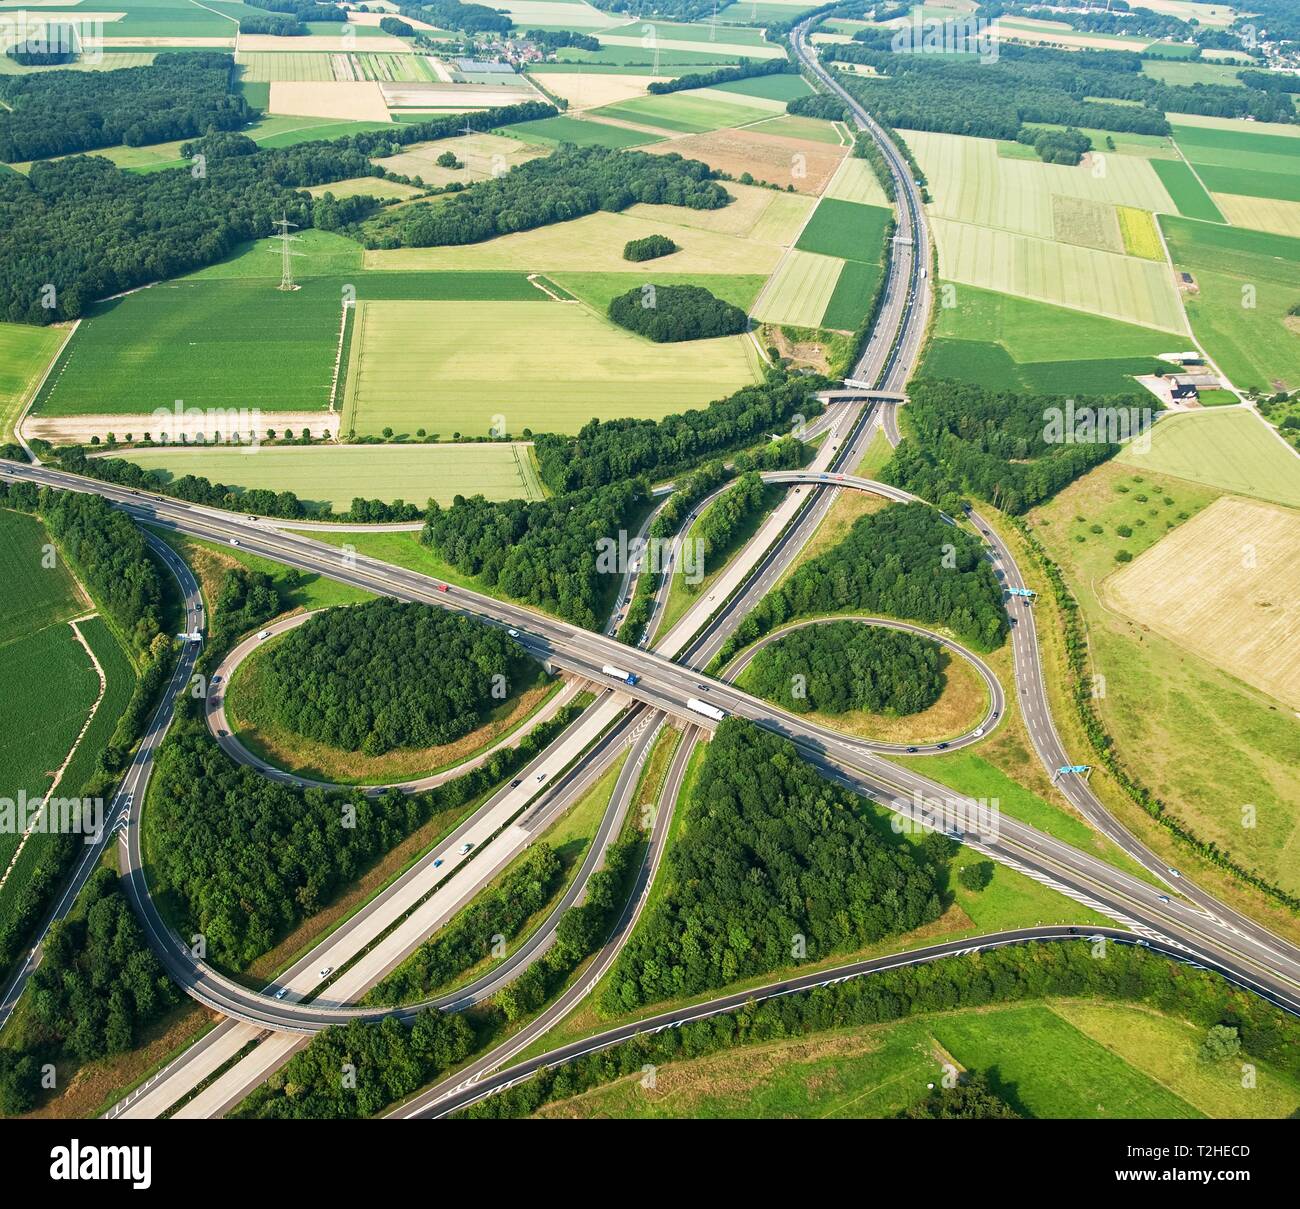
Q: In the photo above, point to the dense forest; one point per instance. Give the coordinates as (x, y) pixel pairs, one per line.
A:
(1015, 974)
(819, 105)
(71, 233)
(451, 14)
(611, 451)
(571, 182)
(905, 561)
(543, 553)
(97, 986)
(247, 858)
(1093, 89)
(559, 39)
(245, 600)
(847, 665)
(1000, 446)
(668, 314)
(59, 112)
(502, 909)
(650, 247)
(771, 859)
(744, 70)
(385, 674)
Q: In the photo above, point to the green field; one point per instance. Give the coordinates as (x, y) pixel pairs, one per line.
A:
(336, 474)
(1243, 162)
(801, 289)
(35, 596)
(845, 229)
(1253, 344)
(854, 290)
(585, 133)
(597, 290)
(1061, 1059)
(1009, 343)
(232, 342)
(455, 367)
(24, 353)
(684, 112)
(1188, 193)
(784, 87)
(1231, 450)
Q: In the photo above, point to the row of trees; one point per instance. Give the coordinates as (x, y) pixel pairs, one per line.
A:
(611, 451)
(744, 70)
(668, 314)
(97, 986)
(196, 489)
(567, 184)
(384, 674)
(999, 445)
(247, 858)
(178, 96)
(904, 561)
(502, 910)
(1014, 974)
(71, 231)
(773, 865)
(846, 665)
(727, 516)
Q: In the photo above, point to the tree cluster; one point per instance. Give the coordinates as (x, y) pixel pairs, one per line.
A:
(995, 444)
(668, 314)
(178, 96)
(726, 517)
(468, 18)
(845, 665)
(559, 39)
(1056, 146)
(611, 451)
(819, 105)
(245, 600)
(568, 184)
(971, 1099)
(771, 859)
(385, 674)
(544, 552)
(97, 986)
(397, 27)
(247, 858)
(649, 247)
(904, 561)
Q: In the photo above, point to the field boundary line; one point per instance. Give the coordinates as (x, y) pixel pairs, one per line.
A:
(348, 416)
(72, 751)
(338, 355)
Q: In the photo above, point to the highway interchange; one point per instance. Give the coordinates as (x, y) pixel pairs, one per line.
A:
(1165, 910)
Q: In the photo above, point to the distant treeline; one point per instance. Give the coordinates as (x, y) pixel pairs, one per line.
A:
(668, 314)
(744, 70)
(451, 14)
(178, 96)
(71, 233)
(559, 39)
(1091, 89)
(999, 445)
(849, 665)
(819, 105)
(904, 562)
(567, 184)
(770, 856)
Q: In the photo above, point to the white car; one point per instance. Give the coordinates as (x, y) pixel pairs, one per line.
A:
(513, 633)
(234, 541)
(464, 848)
(282, 992)
(327, 971)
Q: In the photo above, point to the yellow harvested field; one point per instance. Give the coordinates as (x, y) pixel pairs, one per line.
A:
(761, 214)
(799, 290)
(1057, 33)
(768, 157)
(253, 43)
(1141, 237)
(1260, 213)
(587, 89)
(456, 366)
(373, 19)
(163, 43)
(855, 181)
(365, 186)
(457, 96)
(1213, 15)
(971, 183)
(1213, 123)
(1225, 585)
(593, 243)
(483, 155)
(1101, 283)
(358, 101)
(529, 14)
